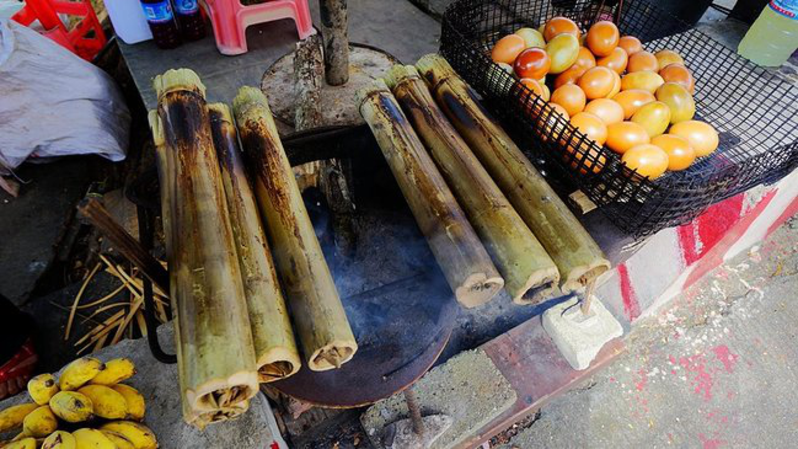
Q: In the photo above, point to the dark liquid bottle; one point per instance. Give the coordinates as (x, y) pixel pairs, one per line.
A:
(162, 23)
(189, 19)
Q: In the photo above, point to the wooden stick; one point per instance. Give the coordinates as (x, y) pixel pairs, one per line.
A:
(576, 254)
(74, 308)
(588, 299)
(214, 336)
(129, 247)
(457, 249)
(530, 275)
(272, 335)
(319, 318)
(335, 29)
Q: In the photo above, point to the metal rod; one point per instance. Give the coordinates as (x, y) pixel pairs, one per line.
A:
(415, 412)
(588, 296)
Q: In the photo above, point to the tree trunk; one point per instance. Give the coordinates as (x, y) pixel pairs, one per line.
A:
(457, 249)
(576, 254)
(530, 275)
(320, 321)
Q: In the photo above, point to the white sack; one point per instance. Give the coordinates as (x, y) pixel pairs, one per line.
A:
(53, 103)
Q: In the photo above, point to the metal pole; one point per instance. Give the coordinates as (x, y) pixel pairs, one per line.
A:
(415, 412)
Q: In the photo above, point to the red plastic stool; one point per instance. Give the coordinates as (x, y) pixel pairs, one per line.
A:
(86, 39)
(230, 20)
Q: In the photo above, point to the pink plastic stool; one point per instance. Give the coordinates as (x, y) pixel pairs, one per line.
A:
(230, 20)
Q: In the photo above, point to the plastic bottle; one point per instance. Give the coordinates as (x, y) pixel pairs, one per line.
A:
(189, 19)
(162, 23)
(774, 36)
(128, 20)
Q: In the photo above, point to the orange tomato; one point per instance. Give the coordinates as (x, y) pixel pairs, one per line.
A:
(591, 126)
(680, 153)
(678, 73)
(616, 60)
(551, 125)
(592, 158)
(632, 100)
(645, 80)
(630, 45)
(570, 76)
(602, 38)
(654, 117)
(507, 49)
(667, 57)
(642, 61)
(702, 136)
(678, 100)
(585, 59)
(649, 160)
(571, 97)
(597, 82)
(532, 63)
(607, 110)
(625, 135)
(558, 25)
(616, 85)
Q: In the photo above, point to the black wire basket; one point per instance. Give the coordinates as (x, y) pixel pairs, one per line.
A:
(753, 109)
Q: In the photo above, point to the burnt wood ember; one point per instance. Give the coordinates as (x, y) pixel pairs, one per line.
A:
(529, 274)
(466, 264)
(276, 354)
(576, 254)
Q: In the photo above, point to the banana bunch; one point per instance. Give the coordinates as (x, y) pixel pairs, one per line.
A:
(88, 392)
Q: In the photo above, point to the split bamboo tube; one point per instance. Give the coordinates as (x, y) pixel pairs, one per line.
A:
(456, 247)
(319, 317)
(576, 254)
(276, 354)
(216, 360)
(530, 275)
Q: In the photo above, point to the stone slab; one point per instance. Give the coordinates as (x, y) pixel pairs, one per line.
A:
(158, 383)
(468, 388)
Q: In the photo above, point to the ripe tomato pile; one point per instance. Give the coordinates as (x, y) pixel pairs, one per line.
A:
(638, 104)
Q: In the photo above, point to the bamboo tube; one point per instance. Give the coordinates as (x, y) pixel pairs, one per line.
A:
(530, 275)
(576, 254)
(320, 321)
(213, 337)
(276, 355)
(457, 249)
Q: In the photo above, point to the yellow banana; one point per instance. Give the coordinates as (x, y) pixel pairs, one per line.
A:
(140, 435)
(60, 440)
(135, 401)
(24, 443)
(79, 373)
(40, 422)
(92, 439)
(42, 387)
(72, 406)
(12, 417)
(106, 402)
(116, 370)
(118, 439)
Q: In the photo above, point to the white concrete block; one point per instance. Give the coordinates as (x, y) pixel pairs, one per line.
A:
(580, 337)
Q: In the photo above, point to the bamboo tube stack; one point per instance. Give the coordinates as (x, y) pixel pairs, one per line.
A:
(577, 256)
(276, 354)
(216, 360)
(320, 322)
(464, 261)
(529, 273)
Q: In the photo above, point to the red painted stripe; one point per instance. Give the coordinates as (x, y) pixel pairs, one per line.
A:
(700, 236)
(631, 307)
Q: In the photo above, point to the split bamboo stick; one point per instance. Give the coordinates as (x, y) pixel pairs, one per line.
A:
(456, 247)
(276, 354)
(578, 257)
(320, 320)
(213, 335)
(530, 275)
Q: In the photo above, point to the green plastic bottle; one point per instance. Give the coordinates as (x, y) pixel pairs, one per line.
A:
(774, 36)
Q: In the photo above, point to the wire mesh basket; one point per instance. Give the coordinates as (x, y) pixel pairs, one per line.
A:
(753, 109)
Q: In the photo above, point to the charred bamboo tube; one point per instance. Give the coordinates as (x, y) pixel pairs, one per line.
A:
(456, 247)
(576, 254)
(276, 355)
(213, 336)
(320, 320)
(530, 275)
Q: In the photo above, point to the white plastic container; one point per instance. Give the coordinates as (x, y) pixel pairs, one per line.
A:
(127, 17)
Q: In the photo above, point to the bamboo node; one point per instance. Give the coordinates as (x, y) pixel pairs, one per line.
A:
(178, 79)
